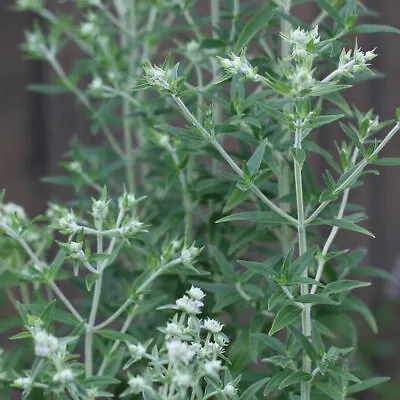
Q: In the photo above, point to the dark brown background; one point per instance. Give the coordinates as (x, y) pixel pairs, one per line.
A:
(35, 132)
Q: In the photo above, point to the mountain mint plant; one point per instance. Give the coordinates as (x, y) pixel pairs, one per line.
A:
(203, 184)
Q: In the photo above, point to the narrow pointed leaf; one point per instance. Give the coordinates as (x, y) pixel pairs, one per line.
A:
(285, 317)
(368, 383)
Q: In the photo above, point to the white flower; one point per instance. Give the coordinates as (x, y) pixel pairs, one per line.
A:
(137, 384)
(131, 226)
(126, 200)
(189, 254)
(64, 376)
(237, 64)
(299, 40)
(182, 379)
(13, 209)
(158, 77)
(67, 222)
(100, 209)
(137, 351)
(302, 79)
(229, 390)
(173, 329)
(24, 383)
(189, 306)
(45, 344)
(212, 325)
(96, 86)
(212, 367)
(179, 352)
(196, 293)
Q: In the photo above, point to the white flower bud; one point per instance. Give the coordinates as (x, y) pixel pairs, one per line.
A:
(179, 352)
(137, 351)
(189, 306)
(196, 293)
(100, 209)
(212, 367)
(229, 390)
(45, 344)
(212, 325)
(137, 384)
(23, 383)
(182, 380)
(64, 376)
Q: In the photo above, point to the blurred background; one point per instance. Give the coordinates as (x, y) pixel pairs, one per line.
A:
(36, 130)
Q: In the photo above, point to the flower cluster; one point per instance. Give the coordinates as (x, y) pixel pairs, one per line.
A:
(302, 43)
(353, 61)
(236, 64)
(191, 354)
(56, 360)
(162, 78)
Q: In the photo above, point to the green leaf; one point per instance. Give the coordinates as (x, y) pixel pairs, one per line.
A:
(270, 341)
(226, 300)
(343, 224)
(285, 316)
(322, 120)
(47, 88)
(101, 381)
(329, 390)
(316, 299)
(255, 160)
(224, 265)
(181, 132)
(344, 286)
(237, 197)
(344, 374)
(353, 303)
(275, 381)
(116, 335)
(250, 393)
(265, 268)
(294, 379)
(262, 217)
(306, 344)
(368, 383)
(259, 20)
(375, 28)
(370, 271)
(299, 156)
(390, 162)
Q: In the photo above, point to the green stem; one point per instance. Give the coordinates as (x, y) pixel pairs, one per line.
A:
(207, 135)
(236, 7)
(302, 238)
(94, 308)
(85, 101)
(284, 167)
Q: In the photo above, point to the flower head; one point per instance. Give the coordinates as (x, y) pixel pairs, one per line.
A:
(189, 306)
(179, 352)
(236, 64)
(212, 325)
(64, 376)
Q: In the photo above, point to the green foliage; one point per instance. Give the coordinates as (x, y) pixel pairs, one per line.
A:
(163, 204)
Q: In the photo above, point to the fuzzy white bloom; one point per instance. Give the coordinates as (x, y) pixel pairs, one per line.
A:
(45, 344)
(212, 325)
(64, 376)
(131, 226)
(75, 247)
(212, 367)
(90, 26)
(300, 39)
(193, 51)
(229, 390)
(221, 340)
(137, 351)
(158, 77)
(189, 306)
(179, 352)
(196, 293)
(126, 200)
(24, 383)
(182, 379)
(97, 85)
(75, 166)
(14, 209)
(68, 222)
(137, 384)
(238, 64)
(354, 61)
(173, 329)
(100, 209)
(189, 255)
(302, 79)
